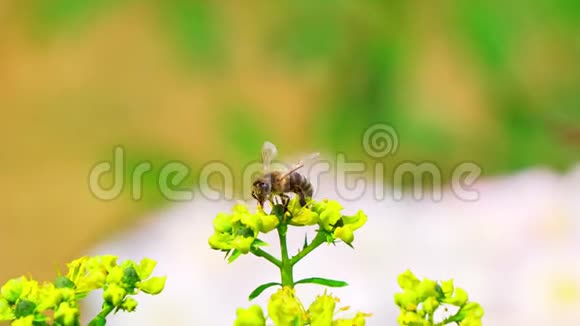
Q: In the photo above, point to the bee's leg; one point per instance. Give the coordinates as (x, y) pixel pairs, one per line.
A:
(285, 199)
(302, 196)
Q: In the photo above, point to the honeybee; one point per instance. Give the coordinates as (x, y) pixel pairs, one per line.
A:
(278, 183)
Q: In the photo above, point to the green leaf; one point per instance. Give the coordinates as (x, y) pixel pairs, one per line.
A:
(235, 254)
(24, 308)
(261, 289)
(62, 282)
(323, 281)
(259, 243)
(305, 242)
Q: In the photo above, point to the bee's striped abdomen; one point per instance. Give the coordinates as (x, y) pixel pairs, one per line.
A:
(300, 184)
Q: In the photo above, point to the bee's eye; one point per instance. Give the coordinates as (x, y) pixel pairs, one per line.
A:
(263, 186)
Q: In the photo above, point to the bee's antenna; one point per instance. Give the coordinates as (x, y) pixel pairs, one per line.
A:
(300, 164)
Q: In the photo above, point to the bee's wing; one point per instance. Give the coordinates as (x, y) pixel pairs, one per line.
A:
(301, 163)
(269, 151)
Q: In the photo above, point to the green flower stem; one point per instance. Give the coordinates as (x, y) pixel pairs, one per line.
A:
(102, 316)
(261, 253)
(286, 270)
(317, 241)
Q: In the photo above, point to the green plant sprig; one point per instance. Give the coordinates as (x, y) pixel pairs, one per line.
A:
(237, 234)
(421, 299)
(25, 302)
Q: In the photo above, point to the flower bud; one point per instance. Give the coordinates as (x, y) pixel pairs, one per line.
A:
(114, 294)
(430, 304)
(408, 280)
(447, 288)
(407, 300)
(344, 233)
(12, 290)
(5, 310)
(223, 222)
(129, 305)
(221, 241)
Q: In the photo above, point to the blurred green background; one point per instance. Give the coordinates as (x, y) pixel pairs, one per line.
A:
(495, 82)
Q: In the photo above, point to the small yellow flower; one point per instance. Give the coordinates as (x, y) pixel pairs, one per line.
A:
(427, 288)
(48, 297)
(285, 309)
(24, 321)
(345, 232)
(321, 311)
(328, 212)
(459, 298)
(115, 275)
(243, 244)
(253, 316)
(306, 217)
(358, 320)
(470, 314)
(269, 222)
(407, 300)
(66, 314)
(145, 268)
(94, 279)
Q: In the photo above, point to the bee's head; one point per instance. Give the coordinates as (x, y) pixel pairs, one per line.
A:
(261, 190)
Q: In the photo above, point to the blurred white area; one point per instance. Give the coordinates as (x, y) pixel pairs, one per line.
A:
(515, 250)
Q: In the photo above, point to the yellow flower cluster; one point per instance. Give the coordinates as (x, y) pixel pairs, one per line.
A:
(328, 215)
(420, 299)
(285, 309)
(239, 229)
(25, 302)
